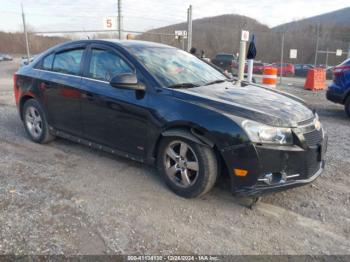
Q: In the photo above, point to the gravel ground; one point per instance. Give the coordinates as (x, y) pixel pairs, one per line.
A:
(64, 198)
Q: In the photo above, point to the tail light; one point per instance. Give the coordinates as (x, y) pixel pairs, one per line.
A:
(340, 70)
(15, 89)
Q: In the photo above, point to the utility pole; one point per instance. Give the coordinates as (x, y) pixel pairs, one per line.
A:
(189, 28)
(282, 54)
(25, 33)
(327, 58)
(317, 40)
(120, 19)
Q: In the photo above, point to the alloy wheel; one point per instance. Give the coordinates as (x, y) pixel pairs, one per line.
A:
(181, 164)
(34, 122)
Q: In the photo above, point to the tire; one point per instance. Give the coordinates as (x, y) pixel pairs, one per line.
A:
(347, 106)
(35, 122)
(201, 177)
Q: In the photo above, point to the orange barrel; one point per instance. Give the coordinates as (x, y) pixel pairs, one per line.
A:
(130, 37)
(270, 76)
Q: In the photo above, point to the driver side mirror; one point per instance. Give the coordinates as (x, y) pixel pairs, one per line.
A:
(127, 81)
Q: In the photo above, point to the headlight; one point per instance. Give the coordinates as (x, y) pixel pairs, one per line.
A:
(317, 123)
(260, 133)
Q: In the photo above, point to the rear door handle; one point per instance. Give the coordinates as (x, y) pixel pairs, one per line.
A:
(89, 96)
(45, 85)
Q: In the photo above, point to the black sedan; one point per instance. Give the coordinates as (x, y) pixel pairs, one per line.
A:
(160, 105)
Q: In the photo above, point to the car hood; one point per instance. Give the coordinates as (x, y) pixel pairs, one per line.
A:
(251, 102)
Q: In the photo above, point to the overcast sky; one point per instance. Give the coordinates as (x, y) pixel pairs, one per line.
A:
(140, 15)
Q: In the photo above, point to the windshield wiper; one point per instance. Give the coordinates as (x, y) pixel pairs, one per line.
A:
(215, 82)
(183, 85)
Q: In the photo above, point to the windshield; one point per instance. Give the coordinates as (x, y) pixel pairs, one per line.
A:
(174, 67)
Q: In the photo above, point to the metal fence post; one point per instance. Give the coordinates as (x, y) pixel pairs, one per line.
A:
(317, 40)
(120, 19)
(282, 54)
(189, 28)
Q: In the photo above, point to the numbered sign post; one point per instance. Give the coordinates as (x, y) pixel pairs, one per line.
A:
(180, 34)
(242, 55)
(293, 53)
(110, 23)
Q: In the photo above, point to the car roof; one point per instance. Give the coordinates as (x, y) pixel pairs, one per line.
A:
(224, 54)
(123, 43)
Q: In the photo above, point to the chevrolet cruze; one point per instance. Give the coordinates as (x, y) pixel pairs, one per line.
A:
(160, 105)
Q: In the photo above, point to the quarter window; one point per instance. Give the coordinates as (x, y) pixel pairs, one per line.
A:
(68, 62)
(106, 64)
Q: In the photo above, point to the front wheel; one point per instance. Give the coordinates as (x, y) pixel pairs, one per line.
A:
(189, 169)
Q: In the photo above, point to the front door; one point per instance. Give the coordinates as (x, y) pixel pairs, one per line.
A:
(114, 117)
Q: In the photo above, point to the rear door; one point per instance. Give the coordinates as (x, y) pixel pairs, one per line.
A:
(60, 82)
(115, 117)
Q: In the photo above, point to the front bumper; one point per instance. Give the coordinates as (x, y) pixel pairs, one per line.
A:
(300, 164)
(261, 190)
(335, 94)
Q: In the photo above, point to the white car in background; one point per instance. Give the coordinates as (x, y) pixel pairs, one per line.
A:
(25, 61)
(5, 57)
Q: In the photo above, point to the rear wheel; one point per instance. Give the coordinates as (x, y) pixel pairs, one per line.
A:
(189, 169)
(35, 122)
(347, 106)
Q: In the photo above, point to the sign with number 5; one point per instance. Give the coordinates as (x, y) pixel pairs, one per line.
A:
(110, 23)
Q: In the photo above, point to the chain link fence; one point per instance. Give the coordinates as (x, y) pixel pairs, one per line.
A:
(313, 46)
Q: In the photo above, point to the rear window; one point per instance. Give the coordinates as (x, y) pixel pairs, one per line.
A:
(224, 57)
(346, 62)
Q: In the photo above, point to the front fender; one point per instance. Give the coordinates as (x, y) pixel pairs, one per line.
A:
(191, 135)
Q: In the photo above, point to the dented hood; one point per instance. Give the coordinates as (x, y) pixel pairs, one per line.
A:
(252, 102)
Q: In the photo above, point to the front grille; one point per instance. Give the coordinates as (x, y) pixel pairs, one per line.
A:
(313, 138)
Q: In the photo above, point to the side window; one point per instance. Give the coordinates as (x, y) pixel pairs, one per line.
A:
(105, 64)
(68, 62)
(47, 62)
